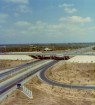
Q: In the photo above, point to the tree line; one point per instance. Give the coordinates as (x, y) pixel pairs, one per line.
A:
(38, 47)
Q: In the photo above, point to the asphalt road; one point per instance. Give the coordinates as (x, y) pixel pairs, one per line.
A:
(52, 82)
(16, 69)
(13, 82)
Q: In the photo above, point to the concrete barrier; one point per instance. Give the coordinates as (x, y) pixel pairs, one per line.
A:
(27, 92)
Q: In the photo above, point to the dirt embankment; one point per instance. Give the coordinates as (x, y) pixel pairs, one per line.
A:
(4, 64)
(73, 73)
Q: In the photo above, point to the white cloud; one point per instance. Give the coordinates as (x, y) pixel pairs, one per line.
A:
(18, 1)
(55, 27)
(23, 24)
(38, 25)
(76, 19)
(16, 14)
(40, 29)
(65, 5)
(65, 26)
(3, 17)
(68, 8)
(23, 9)
(61, 28)
(91, 28)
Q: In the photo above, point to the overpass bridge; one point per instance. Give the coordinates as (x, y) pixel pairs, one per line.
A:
(50, 55)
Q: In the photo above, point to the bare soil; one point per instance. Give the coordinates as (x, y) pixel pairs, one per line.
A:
(73, 73)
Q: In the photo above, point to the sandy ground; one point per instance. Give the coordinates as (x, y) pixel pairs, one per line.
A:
(15, 57)
(44, 94)
(83, 59)
(7, 61)
(73, 73)
(5, 64)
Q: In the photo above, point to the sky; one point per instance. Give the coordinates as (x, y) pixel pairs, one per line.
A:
(47, 21)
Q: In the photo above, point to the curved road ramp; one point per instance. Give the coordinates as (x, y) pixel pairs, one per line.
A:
(43, 77)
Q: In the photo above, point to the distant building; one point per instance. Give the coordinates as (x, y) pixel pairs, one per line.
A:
(47, 49)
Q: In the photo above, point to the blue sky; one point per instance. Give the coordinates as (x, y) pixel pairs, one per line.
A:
(47, 21)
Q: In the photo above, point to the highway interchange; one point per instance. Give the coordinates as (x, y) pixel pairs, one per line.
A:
(41, 66)
(8, 84)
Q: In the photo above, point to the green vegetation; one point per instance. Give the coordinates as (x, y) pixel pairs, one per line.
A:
(93, 48)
